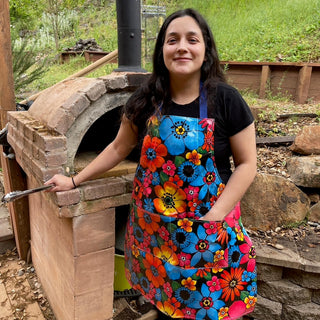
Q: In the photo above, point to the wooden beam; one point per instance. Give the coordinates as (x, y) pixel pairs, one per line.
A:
(303, 84)
(14, 178)
(264, 81)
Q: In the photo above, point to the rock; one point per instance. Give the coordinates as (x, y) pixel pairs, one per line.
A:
(272, 201)
(315, 213)
(305, 171)
(307, 141)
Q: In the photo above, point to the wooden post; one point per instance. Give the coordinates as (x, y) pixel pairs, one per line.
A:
(303, 84)
(13, 175)
(264, 80)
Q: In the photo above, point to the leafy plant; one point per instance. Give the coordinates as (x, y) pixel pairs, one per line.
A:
(26, 67)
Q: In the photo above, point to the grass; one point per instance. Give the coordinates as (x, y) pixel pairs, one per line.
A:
(244, 30)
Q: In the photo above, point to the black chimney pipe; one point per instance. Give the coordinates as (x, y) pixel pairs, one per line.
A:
(129, 36)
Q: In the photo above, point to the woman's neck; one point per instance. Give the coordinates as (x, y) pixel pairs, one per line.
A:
(186, 91)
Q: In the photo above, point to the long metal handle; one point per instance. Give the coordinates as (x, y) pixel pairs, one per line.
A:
(14, 195)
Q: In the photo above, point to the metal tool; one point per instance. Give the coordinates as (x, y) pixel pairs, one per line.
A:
(14, 195)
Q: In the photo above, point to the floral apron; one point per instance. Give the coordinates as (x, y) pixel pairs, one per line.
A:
(188, 268)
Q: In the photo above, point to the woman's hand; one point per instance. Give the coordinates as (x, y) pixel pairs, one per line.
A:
(61, 183)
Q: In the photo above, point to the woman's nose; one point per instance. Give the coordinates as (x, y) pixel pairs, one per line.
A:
(182, 46)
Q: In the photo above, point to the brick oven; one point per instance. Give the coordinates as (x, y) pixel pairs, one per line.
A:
(73, 232)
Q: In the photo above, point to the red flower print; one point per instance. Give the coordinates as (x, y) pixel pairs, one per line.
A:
(208, 141)
(249, 254)
(169, 168)
(209, 123)
(184, 259)
(191, 192)
(152, 153)
(193, 204)
(163, 233)
(167, 289)
(189, 313)
(155, 270)
(231, 283)
(214, 284)
(211, 227)
(147, 221)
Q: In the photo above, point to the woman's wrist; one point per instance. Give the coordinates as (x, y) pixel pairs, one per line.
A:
(73, 182)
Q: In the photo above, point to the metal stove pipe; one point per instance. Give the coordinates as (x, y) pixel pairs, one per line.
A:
(129, 36)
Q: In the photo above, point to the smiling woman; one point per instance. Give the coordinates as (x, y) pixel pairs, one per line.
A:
(186, 249)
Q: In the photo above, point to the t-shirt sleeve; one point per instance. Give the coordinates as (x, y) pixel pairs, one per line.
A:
(232, 112)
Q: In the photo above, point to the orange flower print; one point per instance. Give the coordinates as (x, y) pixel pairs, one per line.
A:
(231, 283)
(170, 199)
(240, 235)
(215, 267)
(208, 141)
(147, 221)
(194, 157)
(220, 189)
(176, 179)
(219, 255)
(250, 302)
(155, 270)
(171, 308)
(193, 204)
(185, 224)
(223, 313)
(152, 153)
(189, 283)
(165, 253)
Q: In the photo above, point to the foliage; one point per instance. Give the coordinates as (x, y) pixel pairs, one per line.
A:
(26, 68)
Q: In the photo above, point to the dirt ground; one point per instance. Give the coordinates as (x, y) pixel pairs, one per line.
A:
(21, 291)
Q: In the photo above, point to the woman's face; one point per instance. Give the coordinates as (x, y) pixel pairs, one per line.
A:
(184, 47)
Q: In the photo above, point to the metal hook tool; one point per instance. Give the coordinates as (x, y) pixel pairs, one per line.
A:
(14, 195)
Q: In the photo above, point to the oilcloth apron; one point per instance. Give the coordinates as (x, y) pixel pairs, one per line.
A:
(188, 268)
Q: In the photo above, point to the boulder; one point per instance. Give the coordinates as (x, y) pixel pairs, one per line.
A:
(315, 213)
(307, 141)
(305, 171)
(272, 201)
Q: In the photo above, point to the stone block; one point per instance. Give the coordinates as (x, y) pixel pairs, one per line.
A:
(68, 198)
(304, 279)
(268, 272)
(284, 291)
(309, 311)
(266, 310)
(316, 296)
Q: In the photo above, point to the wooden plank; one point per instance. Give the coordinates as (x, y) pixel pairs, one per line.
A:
(303, 85)
(274, 140)
(13, 175)
(264, 81)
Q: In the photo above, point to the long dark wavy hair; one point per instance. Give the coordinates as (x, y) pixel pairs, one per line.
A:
(156, 91)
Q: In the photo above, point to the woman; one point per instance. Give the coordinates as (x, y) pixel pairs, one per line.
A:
(186, 249)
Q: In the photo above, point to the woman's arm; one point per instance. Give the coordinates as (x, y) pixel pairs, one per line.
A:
(243, 146)
(113, 154)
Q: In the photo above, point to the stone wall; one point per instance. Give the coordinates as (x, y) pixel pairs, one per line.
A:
(288, 285)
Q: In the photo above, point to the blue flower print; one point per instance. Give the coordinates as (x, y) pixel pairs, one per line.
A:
(188, 171)
(148, 205)
(155, 178)
(234, 256)
(202, 209)
(252, 289)
(184, 295)
(180, 133)
(145, 284)
(176, 272)
(202, 246)
(248, 276)
(207, 302)
(207, 178)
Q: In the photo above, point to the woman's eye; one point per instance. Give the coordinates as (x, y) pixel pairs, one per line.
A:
(170, 41)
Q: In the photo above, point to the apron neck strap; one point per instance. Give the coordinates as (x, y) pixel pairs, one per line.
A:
(203, 102)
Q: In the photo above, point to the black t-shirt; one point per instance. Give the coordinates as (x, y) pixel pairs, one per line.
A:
(231, 114)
